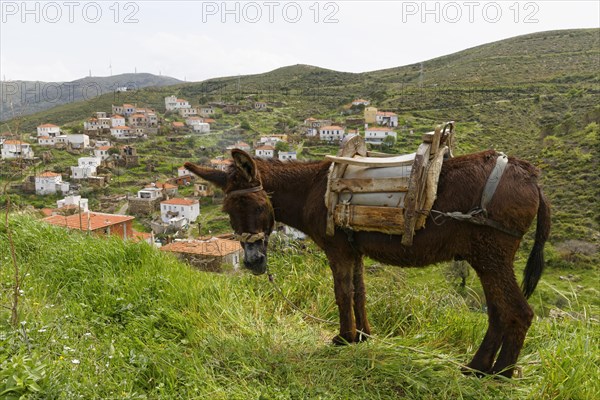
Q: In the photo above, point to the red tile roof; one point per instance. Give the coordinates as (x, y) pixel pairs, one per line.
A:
(331, 127)
(10, 141)
(104, 148)
(177, 124)
(91, 220)
(48, 126)
(180, 202)
(209, 247)
(47, 174)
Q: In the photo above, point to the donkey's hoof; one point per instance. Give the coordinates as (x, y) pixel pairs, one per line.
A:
(342, 340)
(470, 371)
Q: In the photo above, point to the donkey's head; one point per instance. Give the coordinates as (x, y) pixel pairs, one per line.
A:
(250, 211)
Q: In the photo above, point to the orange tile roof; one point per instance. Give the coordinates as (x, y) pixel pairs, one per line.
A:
(117, 116)
(331, 127)
(10, 141)
(177, 124)
(93, 220)
(47, 174)
(104, 148)
(48, 126)
(180, 202)
(120, 127)
(220, 162)
(209, 120)
(127, 106)
(137, 115)
(141, 236)
(43, 137)
(181, 100)
(265, 148)
(386, 113)
(209, 247)
(161, 185)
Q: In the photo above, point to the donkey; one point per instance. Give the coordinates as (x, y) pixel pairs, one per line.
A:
(260, 192)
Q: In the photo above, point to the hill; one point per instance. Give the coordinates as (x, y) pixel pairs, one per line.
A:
(29, 97)
(103, 318)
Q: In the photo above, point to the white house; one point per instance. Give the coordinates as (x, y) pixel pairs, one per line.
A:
(286, 155)
(95, 124)
(173, 103)
(331, 133)
(177, 208)
(360, 102)
(46, 140)
(16, 149)
(86, 167)
(149, 193)
(73, 200)
(182, 171)
(188, 112)
(376, 135)
(240, 145)
(386, 118)
(102, 152)
(265, 152)
(197, 124)
(48, 130)
(117, 120)
(50, 183)
(121, 132)
(128, 109)
(78, 140)
(206, 111)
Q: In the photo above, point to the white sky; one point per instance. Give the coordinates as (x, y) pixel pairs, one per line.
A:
(197, 40)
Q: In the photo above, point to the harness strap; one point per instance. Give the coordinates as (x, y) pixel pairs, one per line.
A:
(493, 180)
(245, 191)
(478, 216)
(249, 237)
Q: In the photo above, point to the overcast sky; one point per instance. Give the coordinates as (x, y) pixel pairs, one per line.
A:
(197, 40)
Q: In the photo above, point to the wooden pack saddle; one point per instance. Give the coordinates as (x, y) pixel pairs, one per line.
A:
(369, 191)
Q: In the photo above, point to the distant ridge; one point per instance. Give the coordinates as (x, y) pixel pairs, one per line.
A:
(20, 98)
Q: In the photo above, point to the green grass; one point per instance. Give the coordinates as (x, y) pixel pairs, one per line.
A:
(102, 318)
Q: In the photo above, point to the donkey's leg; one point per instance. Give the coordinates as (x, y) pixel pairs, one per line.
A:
(343, 270)
(516, 316)
(485, 355)
(360, 311)
(509, 318)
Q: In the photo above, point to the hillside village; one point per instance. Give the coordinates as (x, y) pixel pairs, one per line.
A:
(107, 145)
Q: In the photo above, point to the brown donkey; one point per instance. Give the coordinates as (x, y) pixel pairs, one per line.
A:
(258, 192)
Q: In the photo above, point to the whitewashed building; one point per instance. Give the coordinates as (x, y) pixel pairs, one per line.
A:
(183, 171)
(386, 118)
(376, 135)
(121, 132)
(265, 152)
(73, 200)
(50, 130)
(331, 133)
(174, 209)
(50, 183)
(117, 120)
(86, 167)
(13, 149)
(286, 155)
(173, 103)
(102, 152)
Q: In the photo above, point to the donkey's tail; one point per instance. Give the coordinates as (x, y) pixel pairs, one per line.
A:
(535, 262)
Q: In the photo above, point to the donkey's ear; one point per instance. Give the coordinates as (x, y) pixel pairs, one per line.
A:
(245, 164)
(214, 176)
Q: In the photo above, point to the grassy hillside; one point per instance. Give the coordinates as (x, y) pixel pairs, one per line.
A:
(107, 319)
